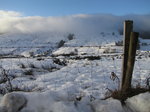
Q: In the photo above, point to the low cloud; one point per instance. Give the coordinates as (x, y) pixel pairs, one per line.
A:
(4, 14)
(11, 21)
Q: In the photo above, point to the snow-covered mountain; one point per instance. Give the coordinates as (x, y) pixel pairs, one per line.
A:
(17, 30)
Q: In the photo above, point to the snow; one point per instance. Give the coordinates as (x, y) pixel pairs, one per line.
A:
(72, 78)
(110, 105)
(140, 103)
(80, 78)
(59, 102)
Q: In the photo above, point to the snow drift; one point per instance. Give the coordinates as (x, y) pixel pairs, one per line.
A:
(52, 102)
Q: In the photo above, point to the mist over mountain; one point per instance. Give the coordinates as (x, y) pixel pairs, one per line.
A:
(14, 22)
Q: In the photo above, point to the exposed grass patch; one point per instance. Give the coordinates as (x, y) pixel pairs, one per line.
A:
(28, 72)
(60, 62)
(32, 65)
(22, 66)
(122, 96)
(50, 69)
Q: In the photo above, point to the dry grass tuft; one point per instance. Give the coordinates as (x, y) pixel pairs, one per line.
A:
(122, 95)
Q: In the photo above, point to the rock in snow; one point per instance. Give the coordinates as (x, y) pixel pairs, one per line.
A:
(12, 102)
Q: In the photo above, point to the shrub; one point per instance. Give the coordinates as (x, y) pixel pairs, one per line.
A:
(28, 72)
(60, 62)
(113, 33)
(61, 43)
(70, 36)
(32, 66)
(22, 65)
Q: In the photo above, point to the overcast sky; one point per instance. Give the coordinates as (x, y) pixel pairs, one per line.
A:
(71, 7)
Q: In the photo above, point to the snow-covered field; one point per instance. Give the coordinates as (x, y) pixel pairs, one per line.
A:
(64, 64)
(74, 77)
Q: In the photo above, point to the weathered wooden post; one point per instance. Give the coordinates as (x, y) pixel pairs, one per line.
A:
(131, 60)
(128, 28)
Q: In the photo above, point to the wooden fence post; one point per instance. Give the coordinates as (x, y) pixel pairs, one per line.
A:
(131, 60)
(128, 28)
